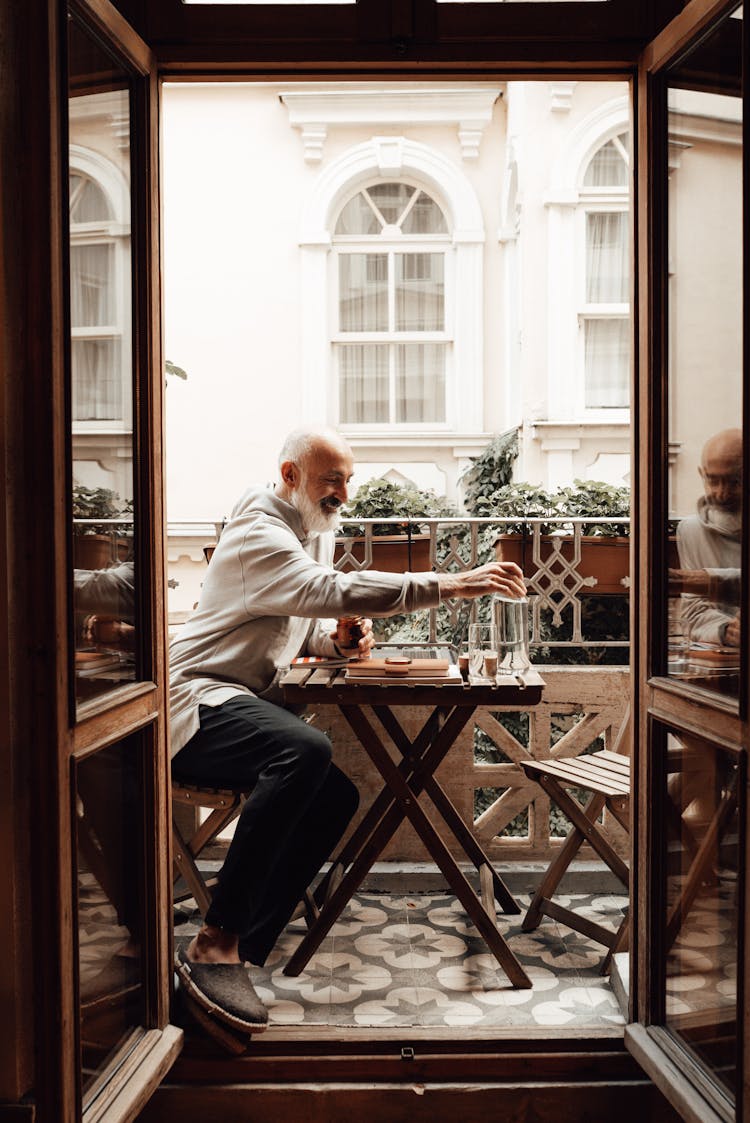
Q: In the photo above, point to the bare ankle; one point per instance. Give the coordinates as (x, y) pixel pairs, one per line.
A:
(214, 945)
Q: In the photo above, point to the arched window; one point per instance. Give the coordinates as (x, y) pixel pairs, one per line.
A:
(605, 311)
(391, 339)
(99, 293)
(388, 332)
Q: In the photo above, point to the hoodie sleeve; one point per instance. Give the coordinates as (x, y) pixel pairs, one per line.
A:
(279, 578)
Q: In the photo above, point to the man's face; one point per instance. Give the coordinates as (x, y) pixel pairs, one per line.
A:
(722, 482)
(323, 488)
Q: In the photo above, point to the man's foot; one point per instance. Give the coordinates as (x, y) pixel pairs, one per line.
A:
(224, 991)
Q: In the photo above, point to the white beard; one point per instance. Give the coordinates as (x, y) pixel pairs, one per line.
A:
(315, 519)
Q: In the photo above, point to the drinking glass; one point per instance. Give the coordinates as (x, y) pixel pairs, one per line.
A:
(678, 638)
(482, 654)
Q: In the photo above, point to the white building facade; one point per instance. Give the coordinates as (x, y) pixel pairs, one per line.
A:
(420, 265)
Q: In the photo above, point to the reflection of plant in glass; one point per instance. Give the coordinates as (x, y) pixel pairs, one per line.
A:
(99, 503)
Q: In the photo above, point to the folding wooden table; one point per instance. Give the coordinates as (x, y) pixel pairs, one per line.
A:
(449, 708)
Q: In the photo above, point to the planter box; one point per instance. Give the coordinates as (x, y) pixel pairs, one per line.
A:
(606, 559)
(98, 551)
(391, 553)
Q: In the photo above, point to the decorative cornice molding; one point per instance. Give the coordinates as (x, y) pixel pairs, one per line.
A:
(315, 112)
(561, 96)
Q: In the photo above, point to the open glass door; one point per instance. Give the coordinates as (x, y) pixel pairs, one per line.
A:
(118, 771)
(689, 998)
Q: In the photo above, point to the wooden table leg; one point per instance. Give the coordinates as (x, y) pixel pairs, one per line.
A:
(372, 842)
(453, 820)
(436, 847)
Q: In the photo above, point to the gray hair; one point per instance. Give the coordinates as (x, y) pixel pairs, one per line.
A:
(301, 442)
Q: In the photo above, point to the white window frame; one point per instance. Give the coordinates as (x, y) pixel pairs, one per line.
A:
(600, 200)
(390, 159)
(114, 231)
(568, 204)
(389, 246)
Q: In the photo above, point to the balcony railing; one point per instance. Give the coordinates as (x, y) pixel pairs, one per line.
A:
(558, 575)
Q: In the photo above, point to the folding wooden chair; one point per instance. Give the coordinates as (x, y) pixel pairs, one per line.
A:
(606, 775)
(224, 806)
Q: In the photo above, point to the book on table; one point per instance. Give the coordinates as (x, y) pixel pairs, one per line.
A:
(394, 669)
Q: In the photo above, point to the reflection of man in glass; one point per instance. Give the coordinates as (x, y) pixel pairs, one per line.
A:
(108, 595)
(708, 544)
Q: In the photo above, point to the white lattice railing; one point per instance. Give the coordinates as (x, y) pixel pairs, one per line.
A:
(559, 574)
(555, 577)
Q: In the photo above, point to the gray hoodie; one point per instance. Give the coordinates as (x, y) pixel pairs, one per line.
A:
(270, 594)
(710, 540)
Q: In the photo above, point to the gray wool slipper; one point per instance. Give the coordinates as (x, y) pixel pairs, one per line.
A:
(223, 990)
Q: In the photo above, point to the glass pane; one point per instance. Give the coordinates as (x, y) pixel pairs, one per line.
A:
(420, 382)
(363, 292)
(97, 389)
(705, 360)
(110, 859)
(363, 384)
(703, 861)
(607, 363)
(103, 579)
(607, 258)
(425, 217)
(92, 285)
(88, 203)
(358, 217)
(420, 291)
(608, 167)
(391, 200)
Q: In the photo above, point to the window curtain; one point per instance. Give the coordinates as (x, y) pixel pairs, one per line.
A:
(607, 363)
(97, 385)
(92, 285)
(420, 291)
(420, 382)
(363, 292)
(607, 258)
(363, 383)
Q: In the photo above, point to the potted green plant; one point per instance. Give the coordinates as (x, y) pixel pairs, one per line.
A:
(605, 553)
(97, 545)
(395, 549)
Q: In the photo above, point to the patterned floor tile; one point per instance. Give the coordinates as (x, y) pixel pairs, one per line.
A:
(416, 960)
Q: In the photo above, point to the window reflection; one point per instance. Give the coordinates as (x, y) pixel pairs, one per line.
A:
(705, 360)
(110, 839)
(101, 367)
(702, 901)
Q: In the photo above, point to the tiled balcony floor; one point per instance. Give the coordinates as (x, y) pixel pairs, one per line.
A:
(412, 960)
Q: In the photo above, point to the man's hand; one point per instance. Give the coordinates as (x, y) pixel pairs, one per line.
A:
(495, 577)
(364, 648)
(732, 632)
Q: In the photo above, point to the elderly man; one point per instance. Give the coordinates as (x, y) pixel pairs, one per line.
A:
(709, 545)
(270, 594)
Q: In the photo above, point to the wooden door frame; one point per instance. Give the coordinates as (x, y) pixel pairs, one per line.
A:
(39, 733)
(659, 699)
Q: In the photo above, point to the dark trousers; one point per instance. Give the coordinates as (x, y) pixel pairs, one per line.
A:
(298, 809)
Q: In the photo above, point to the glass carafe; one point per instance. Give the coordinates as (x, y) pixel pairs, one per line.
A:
(511, 619)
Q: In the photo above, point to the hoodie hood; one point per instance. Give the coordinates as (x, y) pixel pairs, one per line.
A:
(722, 522)
(263, 500)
